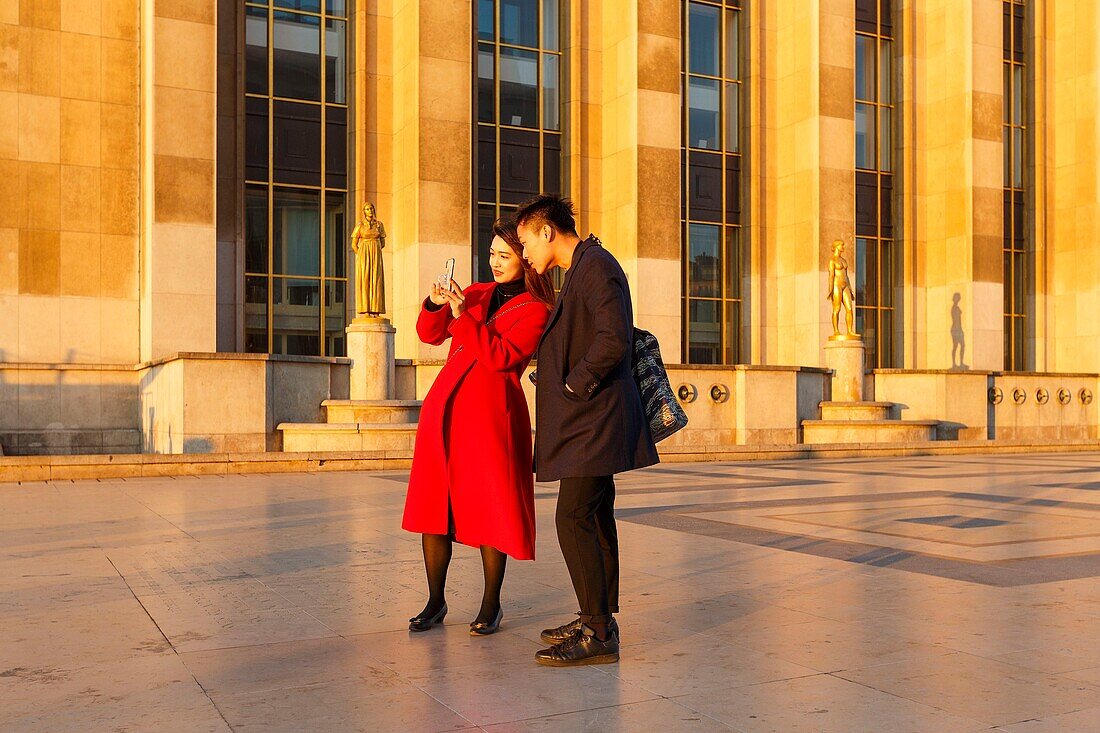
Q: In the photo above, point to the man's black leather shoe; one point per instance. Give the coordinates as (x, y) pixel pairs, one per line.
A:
(580, 649)
(563, 632)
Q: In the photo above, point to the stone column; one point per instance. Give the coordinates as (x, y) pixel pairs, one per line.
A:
(809, 183)
(583, 99)
(760, 167)
(370, 81)
(370, 347)
(641, 138)
(954, 155)
(1070, 47)
(178, 252)
(431, 166)
(622, 143)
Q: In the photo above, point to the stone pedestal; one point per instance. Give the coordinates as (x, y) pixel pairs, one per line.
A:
(370, 347)
(845, 357)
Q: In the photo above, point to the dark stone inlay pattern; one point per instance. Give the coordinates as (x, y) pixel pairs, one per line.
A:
(1083, 486)
(956, 521)
(1003, 573)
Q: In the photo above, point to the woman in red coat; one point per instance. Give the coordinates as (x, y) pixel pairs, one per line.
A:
(471, 478)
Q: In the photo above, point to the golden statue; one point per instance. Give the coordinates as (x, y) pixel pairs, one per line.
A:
(368, 239)
(840, 292)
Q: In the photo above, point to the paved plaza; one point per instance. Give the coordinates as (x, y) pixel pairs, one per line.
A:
(904, 595)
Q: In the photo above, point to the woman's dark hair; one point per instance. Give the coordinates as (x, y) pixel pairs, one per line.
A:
(540, 286)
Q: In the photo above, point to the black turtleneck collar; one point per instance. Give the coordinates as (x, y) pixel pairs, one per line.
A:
(513, 288)
(504, 292)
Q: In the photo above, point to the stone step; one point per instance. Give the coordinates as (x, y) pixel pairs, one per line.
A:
(817, 432)
(319, 437)
(857, 411)
(372, 411)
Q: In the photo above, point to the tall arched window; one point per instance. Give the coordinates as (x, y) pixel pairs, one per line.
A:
(519, 110)
(1014, 127)
(876, 274)
(296, 144)
(710, 161)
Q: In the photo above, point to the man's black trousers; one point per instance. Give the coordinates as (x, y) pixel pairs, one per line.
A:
(590, 544)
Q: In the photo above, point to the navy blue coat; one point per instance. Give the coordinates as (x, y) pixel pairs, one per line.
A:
(600, 428)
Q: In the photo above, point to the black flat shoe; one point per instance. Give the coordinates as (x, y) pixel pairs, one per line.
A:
(480, 628)
(563, 632)
(423, 623)
(581, 649)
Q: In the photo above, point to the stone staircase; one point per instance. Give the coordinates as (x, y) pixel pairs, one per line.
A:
(866, 422)
(357, 425)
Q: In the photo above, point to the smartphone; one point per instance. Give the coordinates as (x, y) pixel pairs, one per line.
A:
(448, 274)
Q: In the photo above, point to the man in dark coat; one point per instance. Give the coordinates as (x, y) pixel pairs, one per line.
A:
(590, 423)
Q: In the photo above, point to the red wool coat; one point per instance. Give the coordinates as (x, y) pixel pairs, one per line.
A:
(473, 443)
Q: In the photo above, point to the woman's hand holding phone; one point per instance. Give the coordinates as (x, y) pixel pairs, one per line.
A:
(454, 297)
(436, 295)
(445, 290)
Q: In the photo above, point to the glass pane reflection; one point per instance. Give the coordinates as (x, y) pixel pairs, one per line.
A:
(296, 314)
(865, 136)
(705, 272)
(703, 39)
(335, 317)
(336, 61)
(865, 68)
(255, 50)
(703, 113)
(297, 56)
(519, 22)
(255, 314)
(550, 25)
(551, 104)
(519, 87)
(297, 232)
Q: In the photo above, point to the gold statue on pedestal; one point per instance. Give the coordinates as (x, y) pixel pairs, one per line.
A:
(840, 292)
(368, 239)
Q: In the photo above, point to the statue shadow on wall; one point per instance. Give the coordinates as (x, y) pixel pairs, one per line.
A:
(958, 338)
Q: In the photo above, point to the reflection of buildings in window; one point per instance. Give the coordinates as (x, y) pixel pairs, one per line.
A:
(711, 183)
(296, 177)
(1014, 128)
(875, 260)
(519, 137)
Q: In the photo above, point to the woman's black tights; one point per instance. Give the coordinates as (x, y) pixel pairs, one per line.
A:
(494, 562)
(437, 558)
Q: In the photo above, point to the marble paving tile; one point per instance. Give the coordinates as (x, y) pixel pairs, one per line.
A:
(450, 647)
(140, 693)
(979, 688)
(266, 667)
(656, 715)
(1078, 720)
(1090, 675)
(181, 707)
(340, 706)
(218, 617)
(1042, 659)
(823, 704)
(701, 662)
(73, 636)
(520, 689)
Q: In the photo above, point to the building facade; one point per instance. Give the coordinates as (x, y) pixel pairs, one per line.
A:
(180, 177)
